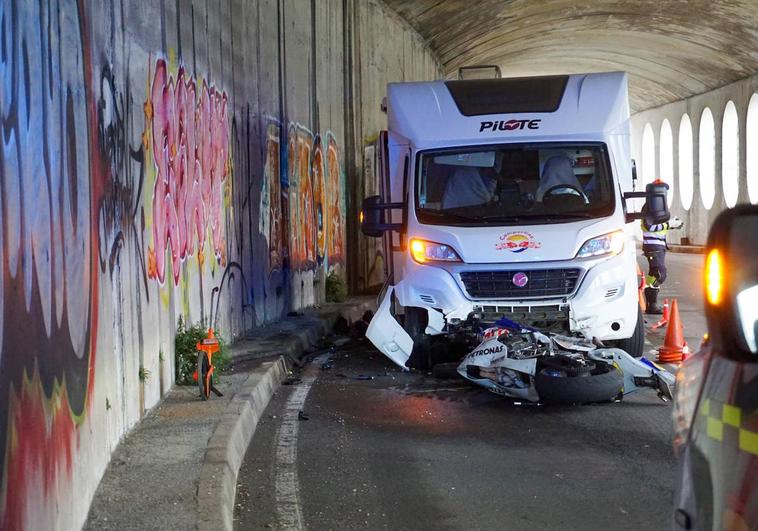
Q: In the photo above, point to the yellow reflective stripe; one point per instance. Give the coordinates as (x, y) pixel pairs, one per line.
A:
(749, 441)
(715, 429)
(731, 415)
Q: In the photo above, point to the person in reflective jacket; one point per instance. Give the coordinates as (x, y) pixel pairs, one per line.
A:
(654, 248)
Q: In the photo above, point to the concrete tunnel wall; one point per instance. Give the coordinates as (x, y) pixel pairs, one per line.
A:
(698, 218)
(162, 159)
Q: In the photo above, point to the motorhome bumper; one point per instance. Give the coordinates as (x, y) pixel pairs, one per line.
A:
(600, 307)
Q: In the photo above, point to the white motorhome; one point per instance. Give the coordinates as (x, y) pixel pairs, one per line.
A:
(507, 198)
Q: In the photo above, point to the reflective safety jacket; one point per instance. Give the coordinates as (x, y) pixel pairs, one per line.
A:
(654, 236)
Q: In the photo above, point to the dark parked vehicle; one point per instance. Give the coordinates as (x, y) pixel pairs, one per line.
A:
(716, 406)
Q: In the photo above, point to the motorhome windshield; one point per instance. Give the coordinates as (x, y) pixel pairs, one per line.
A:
(514, 184)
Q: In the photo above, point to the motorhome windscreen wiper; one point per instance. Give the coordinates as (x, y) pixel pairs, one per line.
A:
(566, 215)
(547, 217)
(496, 217)
(449, 216)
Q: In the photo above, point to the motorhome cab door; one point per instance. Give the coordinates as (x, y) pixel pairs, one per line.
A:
(394, 163)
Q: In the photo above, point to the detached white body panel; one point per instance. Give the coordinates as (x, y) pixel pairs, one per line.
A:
(387, 335)
(427, 118)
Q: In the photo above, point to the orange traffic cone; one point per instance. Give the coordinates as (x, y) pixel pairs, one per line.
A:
(672, 350)
(664, 320)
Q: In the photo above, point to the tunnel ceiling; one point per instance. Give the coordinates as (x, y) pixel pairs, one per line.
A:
(671, 49)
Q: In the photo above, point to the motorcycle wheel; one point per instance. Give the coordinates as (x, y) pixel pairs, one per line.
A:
(601, 385)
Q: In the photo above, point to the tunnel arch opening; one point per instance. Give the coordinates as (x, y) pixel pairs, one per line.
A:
(751, 148)
(707, 158)
(730, 154)
(666, 155)
(685, 162)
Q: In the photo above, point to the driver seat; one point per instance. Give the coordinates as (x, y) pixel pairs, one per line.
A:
(558, 171)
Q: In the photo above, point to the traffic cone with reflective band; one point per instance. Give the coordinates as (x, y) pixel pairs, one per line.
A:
(673, 346)
(664, 320)
(686, 352)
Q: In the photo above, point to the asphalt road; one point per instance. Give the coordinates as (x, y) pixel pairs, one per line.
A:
(407, 451)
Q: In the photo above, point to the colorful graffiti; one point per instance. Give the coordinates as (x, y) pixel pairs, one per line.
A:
(70, 200)
(335, 197)
(318, 171)
(189, 127)
(270, 212)
(51, 181)
(312, 200)
(302, 228)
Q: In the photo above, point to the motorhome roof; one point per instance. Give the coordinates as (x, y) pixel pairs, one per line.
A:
(547, 108)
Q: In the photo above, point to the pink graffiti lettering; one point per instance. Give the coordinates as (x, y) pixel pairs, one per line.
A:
(190, 144)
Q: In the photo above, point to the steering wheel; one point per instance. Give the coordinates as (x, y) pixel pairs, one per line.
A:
(568, 189)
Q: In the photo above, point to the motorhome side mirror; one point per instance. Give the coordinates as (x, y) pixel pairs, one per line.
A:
(656, 203)
(372, 217)
(656, 209)
(731, 284)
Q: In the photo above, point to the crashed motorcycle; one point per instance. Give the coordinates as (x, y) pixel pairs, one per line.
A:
(526, 364)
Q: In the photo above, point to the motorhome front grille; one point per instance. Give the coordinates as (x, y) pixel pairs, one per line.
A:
(523, 284)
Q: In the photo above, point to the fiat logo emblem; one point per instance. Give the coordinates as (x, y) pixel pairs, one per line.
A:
(520, 280)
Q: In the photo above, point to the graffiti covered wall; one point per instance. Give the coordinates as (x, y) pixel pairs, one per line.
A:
(166, 160)
(52, 258)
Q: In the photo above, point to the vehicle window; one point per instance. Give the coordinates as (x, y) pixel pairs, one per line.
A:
(509, 184)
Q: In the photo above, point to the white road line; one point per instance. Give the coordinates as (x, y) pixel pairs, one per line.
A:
(288, 507)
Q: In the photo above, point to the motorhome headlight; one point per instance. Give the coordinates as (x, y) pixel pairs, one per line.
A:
(607, 244)
(423, 251)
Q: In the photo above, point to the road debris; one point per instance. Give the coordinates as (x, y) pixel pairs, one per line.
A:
(526, 364)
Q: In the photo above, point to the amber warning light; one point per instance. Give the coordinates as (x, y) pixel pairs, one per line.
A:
(418, 251)
(714, 277)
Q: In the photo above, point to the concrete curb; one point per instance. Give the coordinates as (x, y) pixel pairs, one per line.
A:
(217, 486)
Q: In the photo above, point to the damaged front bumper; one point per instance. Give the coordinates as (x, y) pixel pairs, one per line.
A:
(603, 304)
(600, 307)
(387, 335)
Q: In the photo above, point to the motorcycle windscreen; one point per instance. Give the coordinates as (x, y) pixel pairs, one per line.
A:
(387, 335)
(489, 366)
